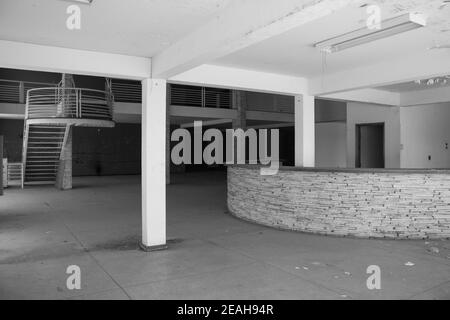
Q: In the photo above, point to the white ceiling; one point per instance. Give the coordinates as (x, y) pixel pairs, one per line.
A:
(292, 53)
(146, 27)
(131, 27)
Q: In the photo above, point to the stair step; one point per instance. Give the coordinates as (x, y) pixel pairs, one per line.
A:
(40, 143)
(46, 132)
(35, 176)
(37, 126)
(45, 138)
(47, 157)
(44, 145)
(43, 182)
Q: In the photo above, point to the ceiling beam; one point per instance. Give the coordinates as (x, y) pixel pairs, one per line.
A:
(239, 79)
(374, 96)
(431, 63)
(26, 56)
(426, 96)
(241, 24)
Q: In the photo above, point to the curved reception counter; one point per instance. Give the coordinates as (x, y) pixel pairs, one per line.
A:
(366, 203)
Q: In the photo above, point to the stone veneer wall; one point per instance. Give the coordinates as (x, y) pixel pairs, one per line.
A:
(379, 204)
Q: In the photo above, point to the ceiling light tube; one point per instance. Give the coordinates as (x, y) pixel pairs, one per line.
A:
(81, 1)
(362, 36)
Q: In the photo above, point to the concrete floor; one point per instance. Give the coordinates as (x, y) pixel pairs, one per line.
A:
(211, 256)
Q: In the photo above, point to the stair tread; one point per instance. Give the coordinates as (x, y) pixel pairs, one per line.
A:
(42, 154)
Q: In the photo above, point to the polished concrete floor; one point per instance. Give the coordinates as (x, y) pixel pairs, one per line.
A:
(211, 255)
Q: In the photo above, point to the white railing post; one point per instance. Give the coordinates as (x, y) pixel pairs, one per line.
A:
(27, 105)
(79, 105)
(76, 104)
(24, 151)
(203, 97)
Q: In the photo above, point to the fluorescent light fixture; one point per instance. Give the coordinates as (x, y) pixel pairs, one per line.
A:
(359, 37)
(81, 1)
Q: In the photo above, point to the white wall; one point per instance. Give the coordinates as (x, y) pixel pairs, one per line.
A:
(358, 113)
(330, 111)
(424, 131)
(331, 145)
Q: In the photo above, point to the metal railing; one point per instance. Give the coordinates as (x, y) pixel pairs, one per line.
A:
(126, 92)
(13, 91)
(15, 173)
(57, 102)
(193, 96)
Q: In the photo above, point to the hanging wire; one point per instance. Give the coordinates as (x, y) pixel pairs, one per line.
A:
(324, 67)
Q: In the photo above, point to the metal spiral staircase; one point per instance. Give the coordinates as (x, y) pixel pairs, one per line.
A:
(50, 115)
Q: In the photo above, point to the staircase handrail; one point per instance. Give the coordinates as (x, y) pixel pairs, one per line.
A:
(58, 102)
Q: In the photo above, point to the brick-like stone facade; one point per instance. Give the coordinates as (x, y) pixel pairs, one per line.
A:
(379, 204)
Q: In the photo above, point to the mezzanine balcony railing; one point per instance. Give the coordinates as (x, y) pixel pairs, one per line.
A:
(13, 91)
(78, 103)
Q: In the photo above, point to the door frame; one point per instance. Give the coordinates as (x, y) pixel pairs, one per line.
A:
(358, 142)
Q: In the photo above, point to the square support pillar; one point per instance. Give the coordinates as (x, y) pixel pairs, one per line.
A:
(64, 172)
(1, 165)
(168, 103)
(304, 131)
(239, 102)
(154, 106)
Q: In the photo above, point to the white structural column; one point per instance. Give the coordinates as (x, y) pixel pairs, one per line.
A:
(153, 164)
(304, 131)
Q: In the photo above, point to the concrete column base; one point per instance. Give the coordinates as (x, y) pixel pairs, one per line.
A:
(64, 175)
(160, 247)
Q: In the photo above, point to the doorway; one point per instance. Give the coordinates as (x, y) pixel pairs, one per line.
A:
(370, 145)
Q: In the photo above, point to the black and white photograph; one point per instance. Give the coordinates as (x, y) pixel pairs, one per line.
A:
(224, 159)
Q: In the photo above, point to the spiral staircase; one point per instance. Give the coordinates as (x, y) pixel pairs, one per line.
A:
(50, 115)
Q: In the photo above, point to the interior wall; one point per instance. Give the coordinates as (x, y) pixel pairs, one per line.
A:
(359, 113)
(425, 132)
(331, 134)
(107, 151)
(329, 110)
(331, 145)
